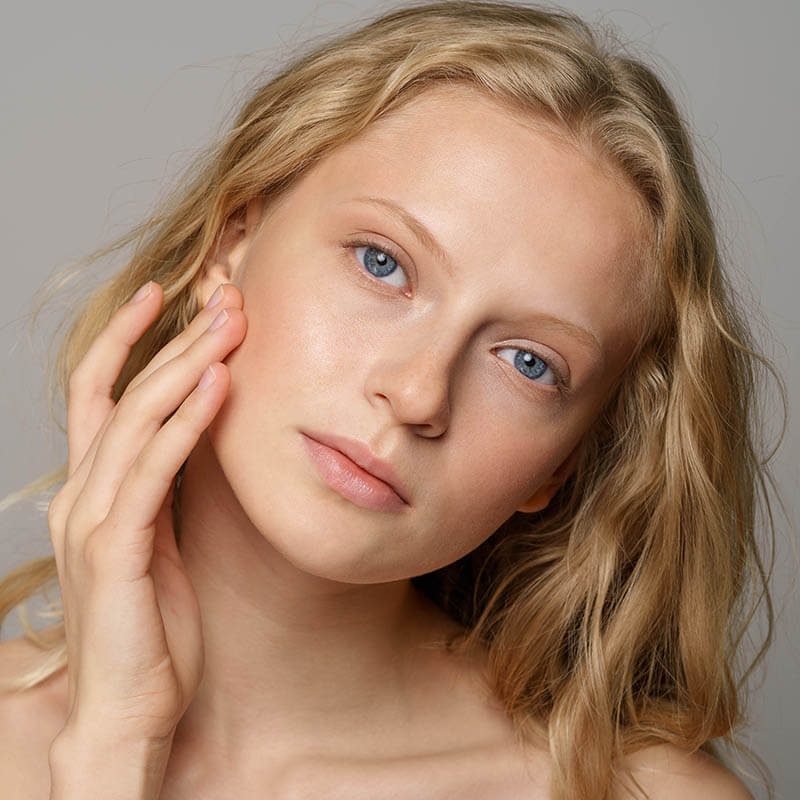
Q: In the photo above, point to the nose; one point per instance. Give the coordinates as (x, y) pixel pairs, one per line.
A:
(414, 382)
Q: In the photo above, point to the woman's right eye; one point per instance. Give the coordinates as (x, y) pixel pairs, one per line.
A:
(380, 264)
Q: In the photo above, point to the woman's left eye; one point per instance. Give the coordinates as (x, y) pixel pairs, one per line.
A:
(381, 265)
(530, 365)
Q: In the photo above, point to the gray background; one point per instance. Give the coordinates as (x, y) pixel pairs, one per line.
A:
(104, 101)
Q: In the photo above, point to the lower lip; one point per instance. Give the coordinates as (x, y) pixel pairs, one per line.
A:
(350, 481)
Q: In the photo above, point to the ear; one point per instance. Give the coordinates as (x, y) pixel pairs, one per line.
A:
(541, 498)
(223, 263)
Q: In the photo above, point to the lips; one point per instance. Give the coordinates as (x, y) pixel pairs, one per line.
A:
(361, 455)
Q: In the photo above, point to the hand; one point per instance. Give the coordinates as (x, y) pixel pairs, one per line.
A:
(132, 621)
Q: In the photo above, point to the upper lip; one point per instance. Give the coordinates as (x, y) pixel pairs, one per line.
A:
(360, 453)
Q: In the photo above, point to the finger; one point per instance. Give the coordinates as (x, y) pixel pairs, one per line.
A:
(93, 389)
(92, 381)
(139, 501)
(225, 296)
(89, 401)
(140, 414)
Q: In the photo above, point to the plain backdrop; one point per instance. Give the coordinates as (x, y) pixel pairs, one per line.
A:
(104, 102)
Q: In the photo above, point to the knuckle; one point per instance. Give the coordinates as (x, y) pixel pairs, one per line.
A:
(134, 382)
(132, 401)
(80, 523)
(77, 377)
(186, 426)
(94, 554)
(57, 512)
(144, 476)
(137, 470)
(185, 417)
(138, 379)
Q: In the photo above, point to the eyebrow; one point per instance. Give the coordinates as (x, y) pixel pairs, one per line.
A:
(422, 234)
(587, 338)
(430, 243)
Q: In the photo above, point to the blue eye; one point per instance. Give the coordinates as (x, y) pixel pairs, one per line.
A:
(381, 265)
(379, 262)
(530, 365)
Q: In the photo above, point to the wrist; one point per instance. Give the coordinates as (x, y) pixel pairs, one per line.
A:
(103, 767)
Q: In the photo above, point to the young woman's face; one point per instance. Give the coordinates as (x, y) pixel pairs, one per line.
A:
(472, 367)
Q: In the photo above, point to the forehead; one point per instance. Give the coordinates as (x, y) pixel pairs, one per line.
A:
(496, 186)
(463, 141)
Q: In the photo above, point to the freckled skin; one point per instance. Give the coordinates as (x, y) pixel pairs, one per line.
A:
(529, 224)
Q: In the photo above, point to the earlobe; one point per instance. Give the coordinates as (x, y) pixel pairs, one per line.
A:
(224, 261)
(541, 498)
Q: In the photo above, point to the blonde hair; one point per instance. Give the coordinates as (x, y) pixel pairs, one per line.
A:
(613, 618)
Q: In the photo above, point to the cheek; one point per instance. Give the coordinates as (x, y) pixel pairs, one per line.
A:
(508, 446)
(517, 466)
(503, 475)
(293, 340)
(489, 474)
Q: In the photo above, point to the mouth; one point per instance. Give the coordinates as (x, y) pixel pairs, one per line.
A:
(350, 468)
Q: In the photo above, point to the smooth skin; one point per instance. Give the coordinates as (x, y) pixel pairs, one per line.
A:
(111, 524)
(283, 652)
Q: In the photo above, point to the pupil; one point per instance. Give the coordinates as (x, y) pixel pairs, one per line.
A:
(379, 263)
(530, 365)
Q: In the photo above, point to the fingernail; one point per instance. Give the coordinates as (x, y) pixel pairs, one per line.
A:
(142, 293)
(208, 377)
(215, 298)
(219, 321)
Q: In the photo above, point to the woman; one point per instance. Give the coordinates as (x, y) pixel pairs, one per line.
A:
(410, 454)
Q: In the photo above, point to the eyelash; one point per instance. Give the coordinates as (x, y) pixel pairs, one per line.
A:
(384, 247)
(381, 247)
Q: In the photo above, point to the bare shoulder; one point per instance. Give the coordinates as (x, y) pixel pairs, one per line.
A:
(29, 720)
(666, 772)
(663, 772)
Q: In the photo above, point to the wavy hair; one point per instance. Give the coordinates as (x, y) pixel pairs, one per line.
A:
(614, 617)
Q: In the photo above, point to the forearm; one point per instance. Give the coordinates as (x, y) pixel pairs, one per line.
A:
(99, 768)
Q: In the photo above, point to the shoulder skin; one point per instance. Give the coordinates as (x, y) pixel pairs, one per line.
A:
(665, 772)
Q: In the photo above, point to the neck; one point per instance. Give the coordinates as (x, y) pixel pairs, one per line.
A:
(292, 659)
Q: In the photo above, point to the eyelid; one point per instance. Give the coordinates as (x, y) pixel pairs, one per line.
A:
(561, 385)
(385, 246)
(561, 376)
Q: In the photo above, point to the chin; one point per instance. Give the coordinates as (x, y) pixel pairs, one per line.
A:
(317, 531)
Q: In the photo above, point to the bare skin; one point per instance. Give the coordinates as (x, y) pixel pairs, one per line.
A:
(300, 660)
(29, 721)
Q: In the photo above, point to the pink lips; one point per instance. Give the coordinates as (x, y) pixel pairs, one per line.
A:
(349, 467)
